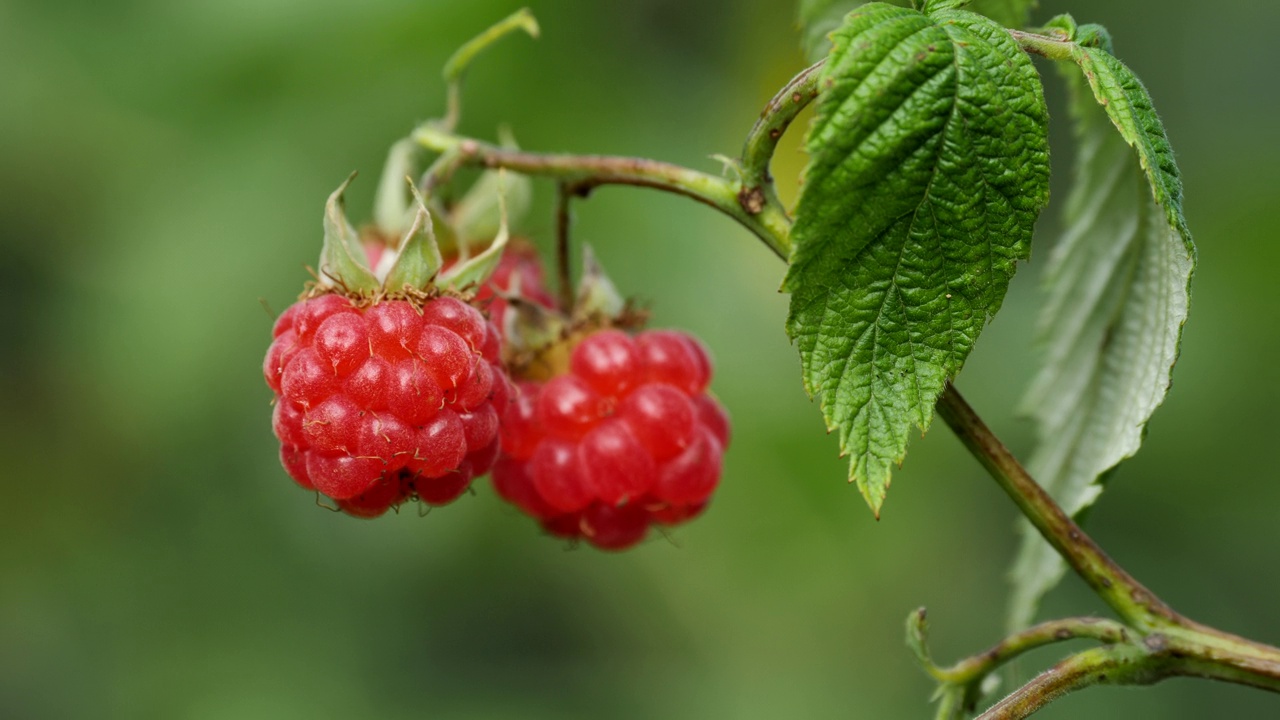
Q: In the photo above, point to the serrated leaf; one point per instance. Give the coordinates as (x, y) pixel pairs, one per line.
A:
(817, 18)
(1009, 13)
(928, 166)
(1118, 290)
(341, 257)
(932, 6)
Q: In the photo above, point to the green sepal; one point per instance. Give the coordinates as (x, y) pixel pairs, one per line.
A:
(342, 257)
(597, 295)
(393, 207)
(474, 271)
(417, 259)
(478, 215)
(530, 326)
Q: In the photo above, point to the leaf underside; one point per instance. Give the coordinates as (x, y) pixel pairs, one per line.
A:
(818, 18)
(1118, 290)
(928, 167)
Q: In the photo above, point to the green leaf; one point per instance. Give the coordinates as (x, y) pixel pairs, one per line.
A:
(818, 18)
(1009, 13)
(473, 272)
(928, 166)
(1118, 289)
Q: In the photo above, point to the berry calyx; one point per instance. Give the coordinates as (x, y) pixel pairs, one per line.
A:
(623, 438)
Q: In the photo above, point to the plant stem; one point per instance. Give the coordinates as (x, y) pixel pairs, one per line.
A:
(762, 140)
(1112, 665)
(456, 66)
(1162, 642)
(1175, 645)
(1054, 48)
(563, 220)
(582, 173)
(974, 669)
(1135, 604)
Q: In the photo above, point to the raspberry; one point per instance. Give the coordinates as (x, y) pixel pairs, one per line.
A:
(626, 438)
(379, 404)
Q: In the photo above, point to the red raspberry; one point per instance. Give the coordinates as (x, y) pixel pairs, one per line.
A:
(380, 404)
(626, 438)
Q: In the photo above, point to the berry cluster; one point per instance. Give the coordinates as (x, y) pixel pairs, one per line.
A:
(378, 405)
(392, 386)
(627, 438)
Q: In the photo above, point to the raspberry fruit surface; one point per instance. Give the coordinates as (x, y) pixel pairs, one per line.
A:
(625, 439)
(376, 405)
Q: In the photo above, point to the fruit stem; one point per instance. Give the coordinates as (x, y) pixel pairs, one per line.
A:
(580, 174)
(563, 261)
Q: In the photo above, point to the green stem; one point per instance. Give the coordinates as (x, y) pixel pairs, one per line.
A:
(1135, 604)
(762, 140)
(973, 669)
(456, 66)
(1110, 665)
(1162, 643)
(1153, 659)
(582, 173)
(563, 271)
(1054, 48)
(1175, 644)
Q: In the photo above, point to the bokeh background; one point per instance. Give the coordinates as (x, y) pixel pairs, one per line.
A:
(162, 172)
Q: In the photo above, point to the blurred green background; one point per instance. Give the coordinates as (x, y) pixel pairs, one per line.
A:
(162, 169)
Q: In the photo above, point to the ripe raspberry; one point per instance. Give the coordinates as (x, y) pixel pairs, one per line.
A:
(378, 404)
(626, 438)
